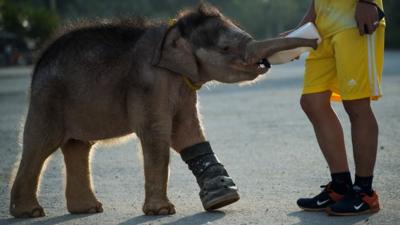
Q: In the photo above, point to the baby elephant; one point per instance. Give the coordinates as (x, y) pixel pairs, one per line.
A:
(106, 80)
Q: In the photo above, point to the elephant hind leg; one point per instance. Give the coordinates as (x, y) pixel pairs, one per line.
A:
(43, 134)
(79, 194)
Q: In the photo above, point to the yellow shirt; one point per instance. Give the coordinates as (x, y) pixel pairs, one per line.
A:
(334, 16)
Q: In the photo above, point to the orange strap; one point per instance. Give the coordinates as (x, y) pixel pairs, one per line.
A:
(335, 196)
(372, 201)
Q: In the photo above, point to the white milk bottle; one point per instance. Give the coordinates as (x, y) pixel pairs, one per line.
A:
(308, 31)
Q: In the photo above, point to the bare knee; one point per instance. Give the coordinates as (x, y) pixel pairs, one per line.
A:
(314, 104)
(306, 104)
(358, 109)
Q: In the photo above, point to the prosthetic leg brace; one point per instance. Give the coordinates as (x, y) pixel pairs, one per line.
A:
(217, 188)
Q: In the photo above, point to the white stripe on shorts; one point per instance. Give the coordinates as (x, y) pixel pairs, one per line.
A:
(372, 70)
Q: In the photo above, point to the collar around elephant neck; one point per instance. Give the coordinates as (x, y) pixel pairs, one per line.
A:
(190, 84)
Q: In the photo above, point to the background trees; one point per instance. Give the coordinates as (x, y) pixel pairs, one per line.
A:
(37, 19)
(29, 20)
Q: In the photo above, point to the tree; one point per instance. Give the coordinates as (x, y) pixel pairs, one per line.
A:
(27, 21)
(392, 8)
(262, 18)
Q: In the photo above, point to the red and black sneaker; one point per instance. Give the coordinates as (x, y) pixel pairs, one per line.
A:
(356, 202)
(320, 202)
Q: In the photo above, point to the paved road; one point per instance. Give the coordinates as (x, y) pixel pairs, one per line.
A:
(258, 131)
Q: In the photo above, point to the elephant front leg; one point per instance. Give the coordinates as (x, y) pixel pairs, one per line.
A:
(186, 129)
(156, 169)
(217, 189)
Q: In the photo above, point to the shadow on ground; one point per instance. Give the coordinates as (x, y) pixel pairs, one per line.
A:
(311, 218)
(45, 221)
(195, 219)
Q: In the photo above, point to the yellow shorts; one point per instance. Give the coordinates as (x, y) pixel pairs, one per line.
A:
(347, 64)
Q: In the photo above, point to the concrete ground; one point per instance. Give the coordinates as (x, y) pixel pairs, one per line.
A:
(260, 134)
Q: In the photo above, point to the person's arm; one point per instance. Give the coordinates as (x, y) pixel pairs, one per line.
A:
(366, 16)
(308, 17)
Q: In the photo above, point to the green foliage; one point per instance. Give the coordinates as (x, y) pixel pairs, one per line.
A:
(12, 18)
(42, 23)
(262, 18)
(25, 20)
(392, 9)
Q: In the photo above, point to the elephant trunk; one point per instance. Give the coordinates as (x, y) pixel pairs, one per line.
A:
(258, 50)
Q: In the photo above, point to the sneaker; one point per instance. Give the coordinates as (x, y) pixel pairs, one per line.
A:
(355, 203)
(320, 202)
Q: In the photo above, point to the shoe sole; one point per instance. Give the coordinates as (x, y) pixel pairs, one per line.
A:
(369, 211)
(222, 201)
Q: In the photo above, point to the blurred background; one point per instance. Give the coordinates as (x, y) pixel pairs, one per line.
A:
(26, 24)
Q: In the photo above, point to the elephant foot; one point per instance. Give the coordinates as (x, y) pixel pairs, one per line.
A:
(158, 207)
(24, 210)
(88, 206)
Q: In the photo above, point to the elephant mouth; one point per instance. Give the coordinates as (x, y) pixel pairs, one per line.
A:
(259, 68)
(253, 69)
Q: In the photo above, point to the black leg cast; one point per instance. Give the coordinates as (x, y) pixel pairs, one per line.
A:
(217, 188)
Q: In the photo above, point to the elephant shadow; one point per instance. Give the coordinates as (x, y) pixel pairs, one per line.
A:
(44, 221)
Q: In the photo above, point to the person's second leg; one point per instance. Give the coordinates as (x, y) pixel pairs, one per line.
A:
(364, 132)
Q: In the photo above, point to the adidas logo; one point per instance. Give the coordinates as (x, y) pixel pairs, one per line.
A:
(352, 83)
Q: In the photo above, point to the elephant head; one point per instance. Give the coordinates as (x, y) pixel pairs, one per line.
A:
(204, 45)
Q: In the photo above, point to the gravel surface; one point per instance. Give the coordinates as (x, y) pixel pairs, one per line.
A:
(260, 134)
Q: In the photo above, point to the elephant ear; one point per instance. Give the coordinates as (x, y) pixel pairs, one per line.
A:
(175, 53)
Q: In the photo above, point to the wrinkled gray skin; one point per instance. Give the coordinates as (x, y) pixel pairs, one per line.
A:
(106, 81)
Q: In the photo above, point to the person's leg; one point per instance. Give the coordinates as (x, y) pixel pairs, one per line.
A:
(320, 78)
(327, 129)
(364, 133)
(329, 134)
